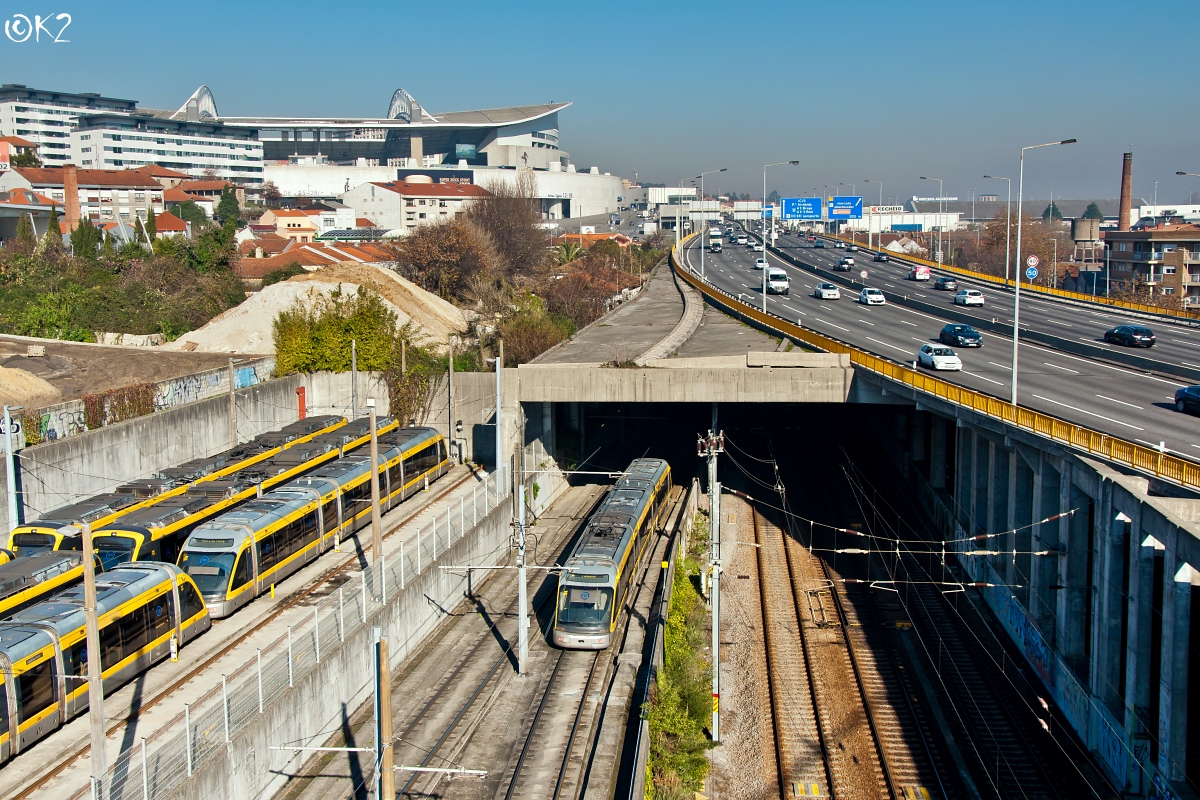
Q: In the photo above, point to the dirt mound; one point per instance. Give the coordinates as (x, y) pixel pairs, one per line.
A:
(21, 388)
(431, 314)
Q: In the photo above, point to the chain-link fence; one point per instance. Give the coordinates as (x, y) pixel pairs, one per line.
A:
(154, 766)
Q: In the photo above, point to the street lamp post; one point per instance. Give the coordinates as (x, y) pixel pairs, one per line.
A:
(702, 196)
(939, 183)
(793, 162)
(879, 233)
(1007, 221)
(1017, 270)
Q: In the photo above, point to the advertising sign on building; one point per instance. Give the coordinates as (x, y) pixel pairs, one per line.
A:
(464, 151)
(885, 209)
(846, 208)
(801, 208)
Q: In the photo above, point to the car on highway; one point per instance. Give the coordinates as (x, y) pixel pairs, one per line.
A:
(819, 243)
(844, 264)
(757, 247)
(871, 297)
(968, 297)
(1187, 398)
(827, 291)
(853, 248)
(1130, 336)
(839, 245)
(945, 284)
(919, 273)
(636, 239)
(777, 281)
(880, 257)
(810, 238)
(760, 263)
(937, 357)
(741, 239)
(961, 335)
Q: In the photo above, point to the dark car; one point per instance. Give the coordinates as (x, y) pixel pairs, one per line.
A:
(1130, 336)
(1188, 399)
(880, 257)
(961, 336)
(945, 284)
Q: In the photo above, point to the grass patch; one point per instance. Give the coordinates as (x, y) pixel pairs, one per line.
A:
(680, 705)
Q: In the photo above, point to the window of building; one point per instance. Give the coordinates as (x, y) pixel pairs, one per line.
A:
(1166, 290)
(1168, 270)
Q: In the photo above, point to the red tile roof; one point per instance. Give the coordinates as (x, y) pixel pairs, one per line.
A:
(166, 221)
(155, 171)
(363, 222)
(124, 178)
(407, 189)
(271, 243)
(289, 212)
(176, 195)
(17, 141)
(313, 256)
(205, 186)
(28, 197)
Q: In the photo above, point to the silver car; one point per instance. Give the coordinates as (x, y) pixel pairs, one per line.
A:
(827, 291)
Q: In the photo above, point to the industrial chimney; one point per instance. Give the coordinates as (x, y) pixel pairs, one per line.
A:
(71, 196)
(1126, 192)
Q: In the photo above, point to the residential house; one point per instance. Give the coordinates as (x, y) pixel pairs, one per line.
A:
(312, 257)
(169, 178)
(19, 203)
(290, 223)
(103, 194)
(1163, 258)
(168, 226)
(403, 205)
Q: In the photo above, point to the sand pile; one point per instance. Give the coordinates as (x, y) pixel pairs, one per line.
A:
(21, 388)
(431, 314)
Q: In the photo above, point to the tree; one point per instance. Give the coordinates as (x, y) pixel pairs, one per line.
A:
(25, 233)
(1052, 212)
(53, 231)
(85, 240)
(139, 229)
(227, 207)
(270, 193)
(190, 212)
(510, 217)
(441, 257)
(151, 225)
(1093, 211)
(26, 159)
(568, 252)
(773, 198)
(108, 250)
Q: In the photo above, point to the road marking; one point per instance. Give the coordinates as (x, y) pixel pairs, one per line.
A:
(1186, 364)
(864, 322)
(828, 308)
(989, 380)
(1056, 322)
(1064, 369)
(839, 327)
(1001, 366)
(885, 283)
(789, 308)
(1089, 413)
(885, 344)
(918, 294)
(1121, 402)
(909, 323)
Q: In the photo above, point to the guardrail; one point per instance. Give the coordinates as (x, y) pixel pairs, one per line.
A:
(1162, 465)
(1142, 308)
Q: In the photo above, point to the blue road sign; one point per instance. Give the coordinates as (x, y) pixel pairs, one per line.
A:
(846, 208)
(766, 211)
(801, 208)
(1031, 273)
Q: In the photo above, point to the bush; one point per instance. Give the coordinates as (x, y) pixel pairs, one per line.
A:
(281, 275)
(317, 338)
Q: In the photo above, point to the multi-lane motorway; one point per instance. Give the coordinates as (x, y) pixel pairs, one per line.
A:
(1114, 399)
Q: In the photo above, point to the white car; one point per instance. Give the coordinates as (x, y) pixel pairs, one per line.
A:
(758, 247)
(827, 291)
(939, 357)
(760, 263)
(871, 297)
(969, 297)
(839, 245)
(777, 281)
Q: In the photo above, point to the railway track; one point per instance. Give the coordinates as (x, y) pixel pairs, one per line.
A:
(320, 582)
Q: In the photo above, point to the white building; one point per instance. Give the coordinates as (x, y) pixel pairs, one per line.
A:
(660, 195)
(889, 221)
(104, 195)
(47, 118)
(403, 205)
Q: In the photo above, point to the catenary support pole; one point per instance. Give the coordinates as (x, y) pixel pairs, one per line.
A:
(353, 379)
(387, 774)
(10, 469)
(233, 437)
(522, 588)
(499, 396)
(99, 755)
(376, 523)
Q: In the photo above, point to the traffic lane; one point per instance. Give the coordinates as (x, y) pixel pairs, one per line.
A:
(1100, 396)
(1176, 344)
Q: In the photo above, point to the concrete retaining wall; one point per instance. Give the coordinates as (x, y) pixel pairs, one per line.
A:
(326, 696)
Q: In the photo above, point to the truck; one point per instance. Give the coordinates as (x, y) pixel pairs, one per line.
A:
(714, 240)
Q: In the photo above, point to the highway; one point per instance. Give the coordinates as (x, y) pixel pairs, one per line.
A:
(1178, 343)
(1112, 399)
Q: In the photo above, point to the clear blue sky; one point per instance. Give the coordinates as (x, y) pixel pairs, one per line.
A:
(882, 90)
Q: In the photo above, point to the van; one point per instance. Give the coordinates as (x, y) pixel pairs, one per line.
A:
(777, 281)
(919, 273)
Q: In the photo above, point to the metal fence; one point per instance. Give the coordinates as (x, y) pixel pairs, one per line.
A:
(155, 766)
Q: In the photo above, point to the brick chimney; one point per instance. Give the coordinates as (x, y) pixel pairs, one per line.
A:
(1126, 192)
(71, 196)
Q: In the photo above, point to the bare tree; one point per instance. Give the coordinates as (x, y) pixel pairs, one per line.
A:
(510, 216)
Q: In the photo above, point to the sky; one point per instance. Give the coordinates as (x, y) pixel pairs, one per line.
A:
(885, 91)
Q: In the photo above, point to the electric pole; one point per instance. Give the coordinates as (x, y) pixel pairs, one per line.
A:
(94, 667)
(376, 522)
(522, 589)
(710, 447)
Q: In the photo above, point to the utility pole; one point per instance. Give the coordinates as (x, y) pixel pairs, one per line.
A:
(95, 681)
(710, 447)
(499, 419)
(376, 522)
(522, 589)
(450, 398)
(353, 379)
(385, 779)
(10, 468)
(233, 439)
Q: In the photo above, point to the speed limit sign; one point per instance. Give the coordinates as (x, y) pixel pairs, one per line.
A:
(1032, 261)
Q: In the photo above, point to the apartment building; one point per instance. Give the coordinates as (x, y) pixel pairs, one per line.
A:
(47, 118)
(104, 194)
(1165, 258)
(403, 205)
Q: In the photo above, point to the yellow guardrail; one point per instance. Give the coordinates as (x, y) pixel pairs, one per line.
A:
(1162, 465)
(1145, 308)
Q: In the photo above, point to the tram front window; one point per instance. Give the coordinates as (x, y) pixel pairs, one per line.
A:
(114, 550)
(584, 605)
(210, 572)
